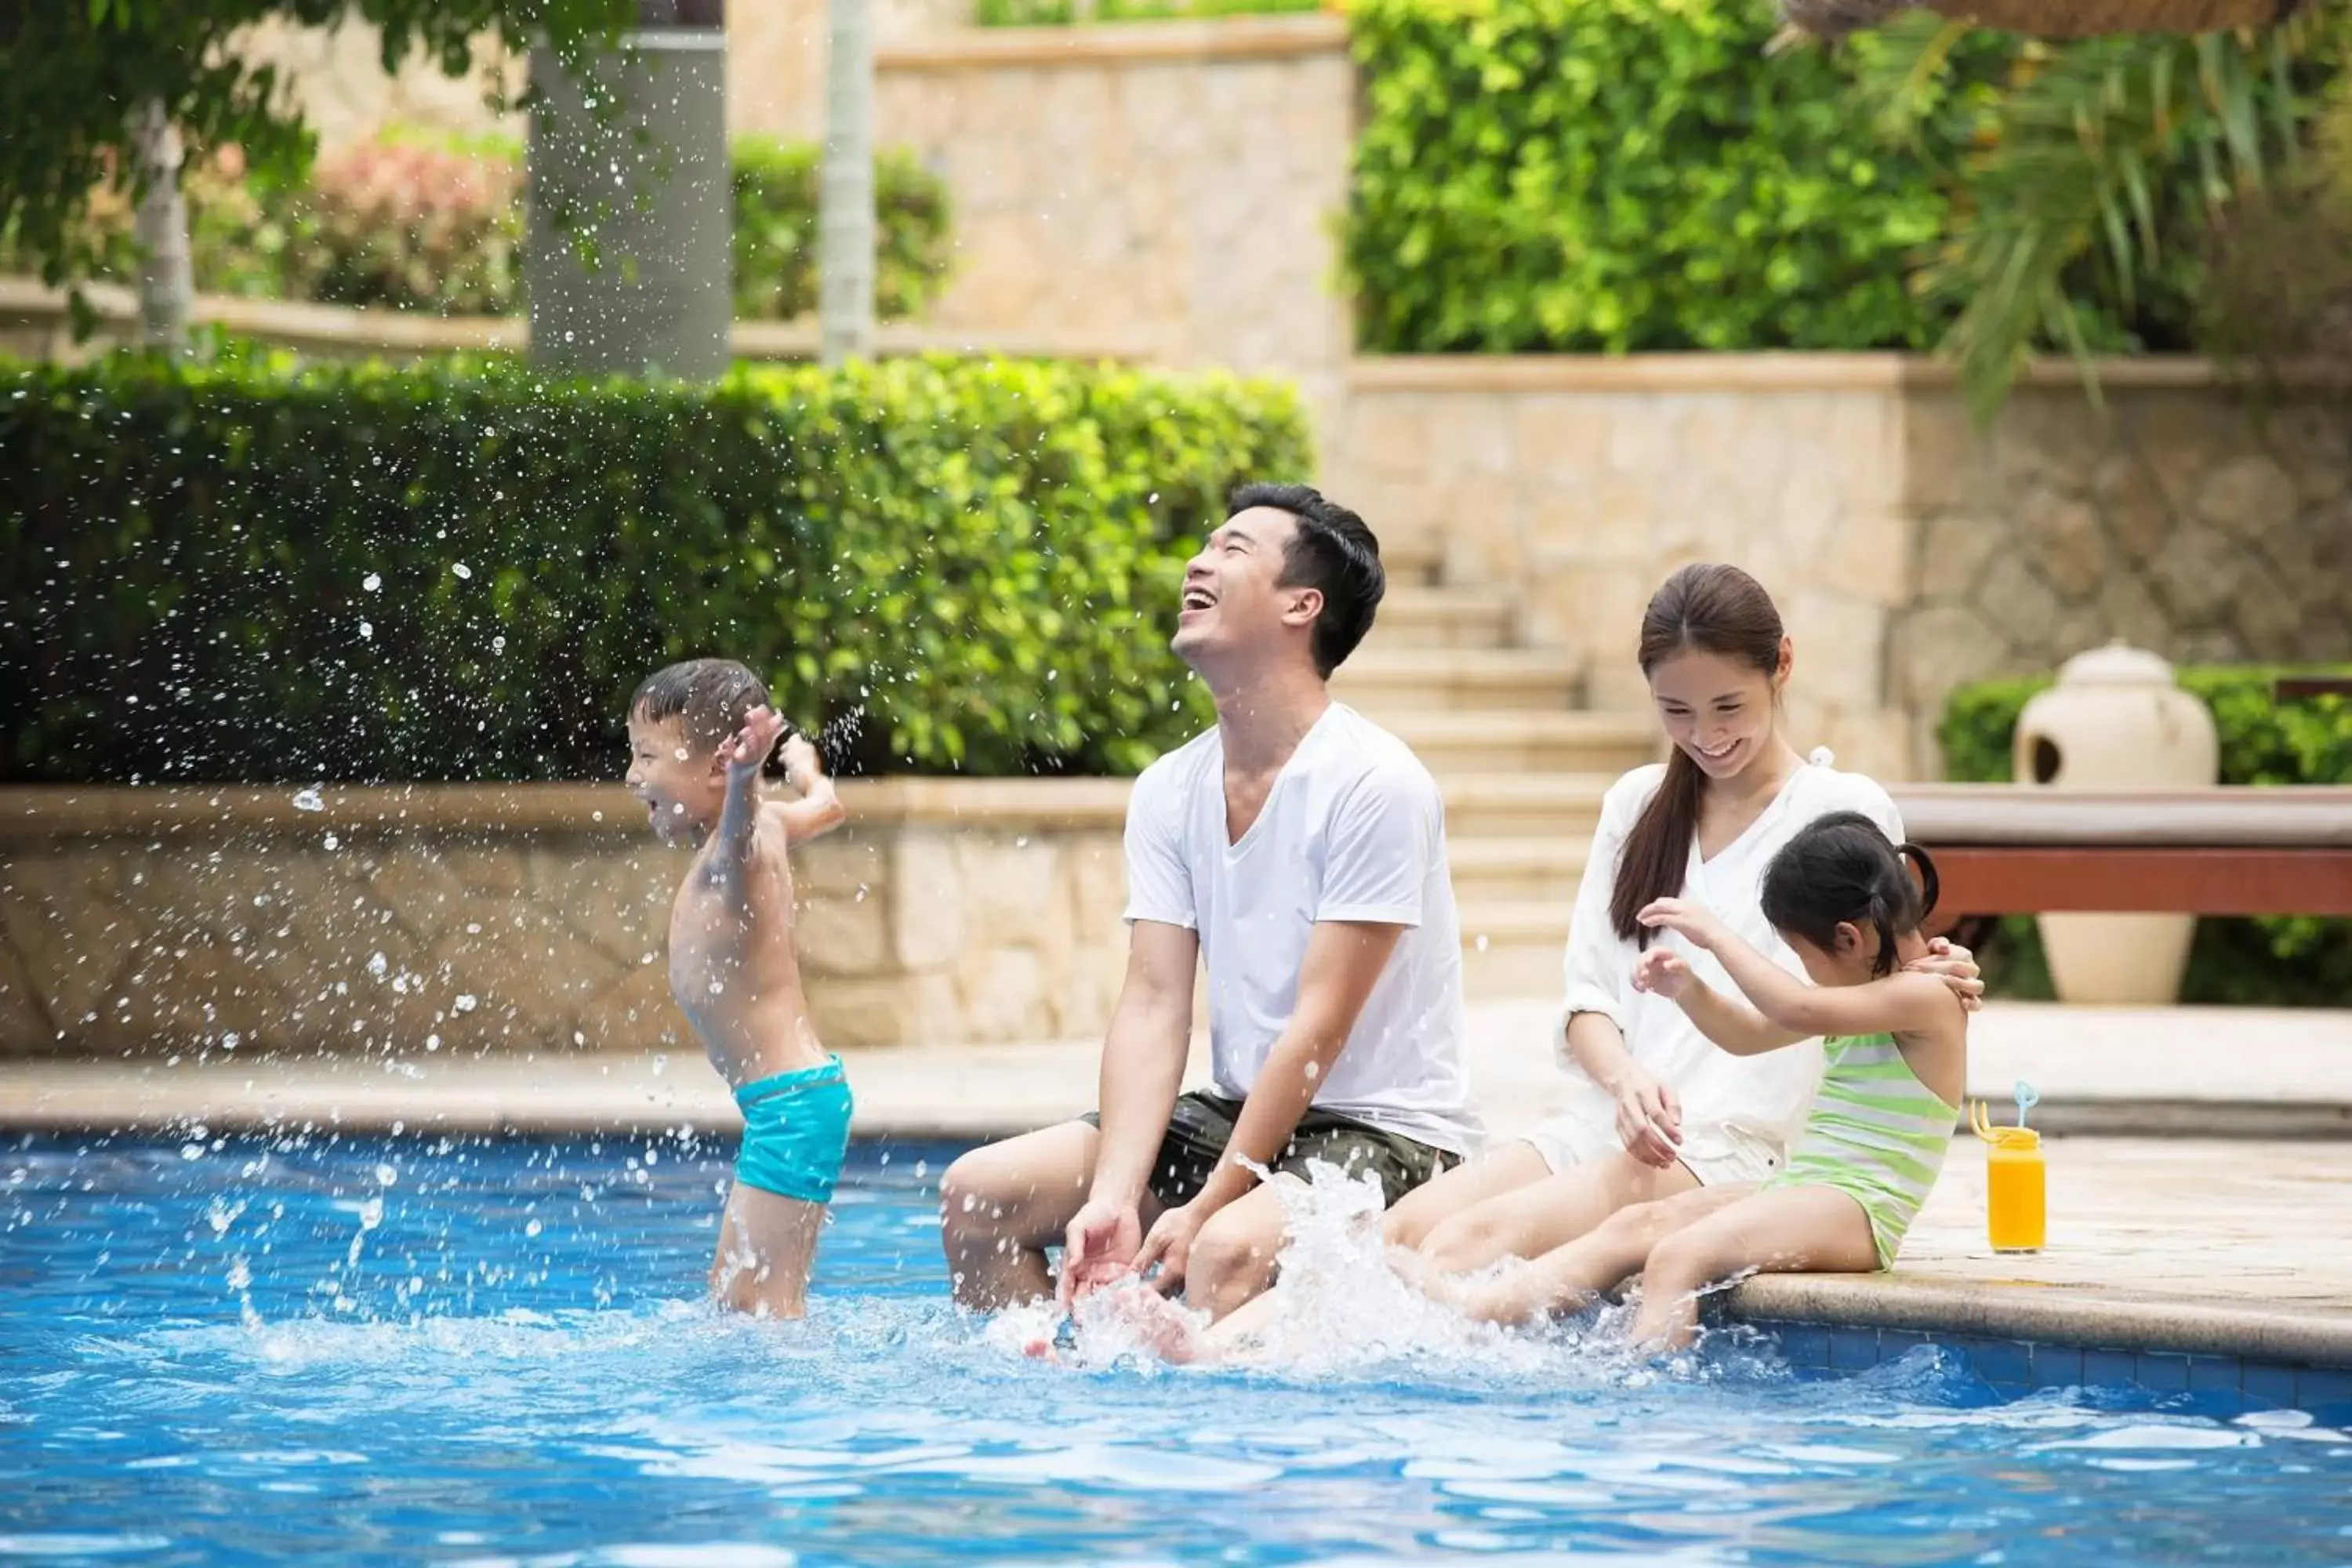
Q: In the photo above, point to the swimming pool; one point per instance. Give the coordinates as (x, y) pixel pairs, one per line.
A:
(225, 1350)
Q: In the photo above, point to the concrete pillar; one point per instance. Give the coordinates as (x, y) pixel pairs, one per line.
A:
(629, 259)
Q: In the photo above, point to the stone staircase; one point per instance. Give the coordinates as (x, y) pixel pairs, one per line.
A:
(1523, 767)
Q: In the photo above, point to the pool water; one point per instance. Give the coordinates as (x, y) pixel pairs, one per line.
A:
(226, 1351)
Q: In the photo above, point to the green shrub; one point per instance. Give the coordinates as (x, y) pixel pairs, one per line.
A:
(1619, 175)
(2290, 960)
(775, 230)
(410, 223)
(458, 571)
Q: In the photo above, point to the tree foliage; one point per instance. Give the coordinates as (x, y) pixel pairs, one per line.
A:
(76, 69)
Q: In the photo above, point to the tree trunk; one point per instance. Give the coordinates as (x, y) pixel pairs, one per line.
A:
(167, 285)
(846, 202)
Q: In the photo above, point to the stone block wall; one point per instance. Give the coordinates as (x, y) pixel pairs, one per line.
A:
(1582, 482)
(1909, 551)
(404, 922)
(1170, 186)
(2185, 518)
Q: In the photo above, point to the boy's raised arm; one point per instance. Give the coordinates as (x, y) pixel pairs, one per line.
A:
(818, 810)
(744, 755)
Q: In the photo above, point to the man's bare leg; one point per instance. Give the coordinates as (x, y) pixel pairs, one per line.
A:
(1001, 1206)
(767, 1246)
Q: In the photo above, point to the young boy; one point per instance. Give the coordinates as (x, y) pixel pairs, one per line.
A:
(699, 733)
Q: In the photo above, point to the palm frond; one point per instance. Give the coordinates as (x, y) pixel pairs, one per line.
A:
(2074, 173)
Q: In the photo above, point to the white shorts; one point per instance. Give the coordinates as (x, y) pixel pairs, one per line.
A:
(1718, 1156)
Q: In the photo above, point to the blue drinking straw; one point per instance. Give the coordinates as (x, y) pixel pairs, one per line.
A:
(2028, 1097)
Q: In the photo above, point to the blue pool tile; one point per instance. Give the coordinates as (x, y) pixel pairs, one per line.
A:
(2163, 1374)
(1805, 1345)
(2324, 1388)
(2058, 1366)
(2003, 1362)
(2215, 1374)
(2110, 1369)
(1896, 1343)
(2269, 1384)
(1853, 1349)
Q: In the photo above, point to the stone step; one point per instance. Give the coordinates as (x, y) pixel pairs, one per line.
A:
(1517, 868)
(1412, 615)
(1475, 679)
(1411, 560)
(1567, 742)
(1513, 949)
(1562, 808)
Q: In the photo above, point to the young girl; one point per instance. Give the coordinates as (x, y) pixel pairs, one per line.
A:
(1657, 1110)
(1895, 1048)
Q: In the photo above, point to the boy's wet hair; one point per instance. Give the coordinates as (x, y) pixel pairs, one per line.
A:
(1842, 871)
(709, 697)
(1332, 550)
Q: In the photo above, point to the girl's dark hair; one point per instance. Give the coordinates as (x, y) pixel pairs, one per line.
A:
(1841, 870)
(1711, 609)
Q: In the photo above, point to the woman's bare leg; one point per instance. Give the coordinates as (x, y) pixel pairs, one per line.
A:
(1513, 1165)
(1569, 1277)
(1533, 1219)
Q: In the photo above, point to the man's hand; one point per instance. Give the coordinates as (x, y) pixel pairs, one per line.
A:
(747, 753)
(1098, 1248)
(1170, 1244)
(1649, 1119)
(1694, 923)
(1663, 971)
(1956, 967)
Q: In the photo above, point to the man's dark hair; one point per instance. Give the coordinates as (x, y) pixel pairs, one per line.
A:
(1330, 551)
(709, 697)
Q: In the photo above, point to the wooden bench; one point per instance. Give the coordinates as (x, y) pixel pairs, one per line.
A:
(2006, 850)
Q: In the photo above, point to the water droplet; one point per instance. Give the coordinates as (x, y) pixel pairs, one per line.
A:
(372, 583)
(464, 1004)
(310, 800)
(463, 571)
(533, 1228)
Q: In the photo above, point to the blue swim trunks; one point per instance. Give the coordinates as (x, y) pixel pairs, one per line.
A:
(795, 1133)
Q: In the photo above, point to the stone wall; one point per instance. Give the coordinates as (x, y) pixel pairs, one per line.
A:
(409, 920)
(1171, 185)
(1909, 551)
(1582, 482)
(2187, 518)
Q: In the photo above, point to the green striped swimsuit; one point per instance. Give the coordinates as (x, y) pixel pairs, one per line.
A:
(1875, 1134)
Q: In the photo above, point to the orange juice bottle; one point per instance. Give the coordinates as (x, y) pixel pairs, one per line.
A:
(2016, 1190)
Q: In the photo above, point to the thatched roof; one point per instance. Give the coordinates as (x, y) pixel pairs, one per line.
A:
(2046, 18)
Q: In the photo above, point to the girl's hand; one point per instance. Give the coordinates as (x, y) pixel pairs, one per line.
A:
(1649, 1119)
(1664, 972)
(1956, 966)
(1694, 923)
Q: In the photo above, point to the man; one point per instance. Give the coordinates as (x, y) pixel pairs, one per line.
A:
(1300, 852)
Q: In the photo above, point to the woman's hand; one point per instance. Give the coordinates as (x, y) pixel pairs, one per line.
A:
(1649, 1119)
(1956, 966)
(1694, 923)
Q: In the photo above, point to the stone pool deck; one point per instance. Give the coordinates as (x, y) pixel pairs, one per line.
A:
(2201, 1183)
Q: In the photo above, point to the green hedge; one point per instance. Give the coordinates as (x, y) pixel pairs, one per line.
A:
(1616, 175)
(252, 571)
(2278, 960)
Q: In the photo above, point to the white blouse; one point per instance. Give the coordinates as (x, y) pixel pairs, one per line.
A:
(1764, 1097)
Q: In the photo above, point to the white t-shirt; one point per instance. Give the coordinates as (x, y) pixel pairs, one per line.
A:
(1353, 829)
(1763, 1097)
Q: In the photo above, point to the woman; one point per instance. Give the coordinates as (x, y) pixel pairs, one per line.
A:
(1657, 1110)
